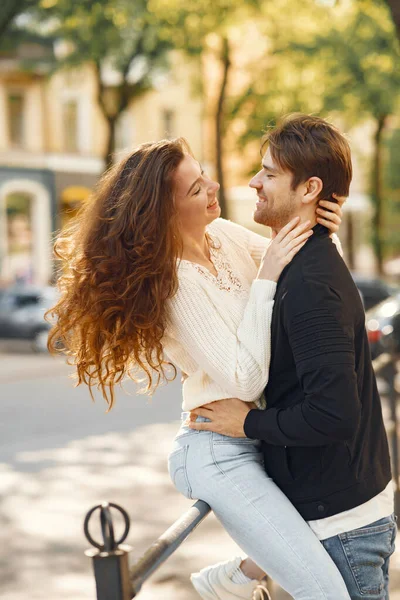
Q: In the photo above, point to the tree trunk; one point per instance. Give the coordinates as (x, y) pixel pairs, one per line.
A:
(220, 125)
(394, 6)
(109, 118)
(110, 145)
(377, 193)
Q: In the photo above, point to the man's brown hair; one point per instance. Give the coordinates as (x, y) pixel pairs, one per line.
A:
(309, 146)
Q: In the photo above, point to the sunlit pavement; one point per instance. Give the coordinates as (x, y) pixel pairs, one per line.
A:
(42, 514)
(46, 488)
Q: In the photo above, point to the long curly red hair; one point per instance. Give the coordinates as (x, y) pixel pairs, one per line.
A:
(118, 268)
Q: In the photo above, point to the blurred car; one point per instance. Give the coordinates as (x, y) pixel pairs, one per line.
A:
(383, 326)
(373, 290)
(22, 311)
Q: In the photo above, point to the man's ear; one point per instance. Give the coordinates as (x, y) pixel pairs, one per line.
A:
(312, 190)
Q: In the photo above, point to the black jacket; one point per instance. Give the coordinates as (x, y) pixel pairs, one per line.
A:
(324, 441)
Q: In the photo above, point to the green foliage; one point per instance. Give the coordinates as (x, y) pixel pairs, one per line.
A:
(323, 59)
(118, 32)
(284, 80)
(10, 10)
(341, 59)
(361, 56)
(114, 34)
(191, 22)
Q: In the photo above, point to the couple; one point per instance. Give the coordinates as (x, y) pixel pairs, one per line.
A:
(299, 475)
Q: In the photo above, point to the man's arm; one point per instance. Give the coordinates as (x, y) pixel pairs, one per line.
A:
(321, 339)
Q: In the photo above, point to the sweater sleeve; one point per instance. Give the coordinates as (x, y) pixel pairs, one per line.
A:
(237, 361)
(254, 243)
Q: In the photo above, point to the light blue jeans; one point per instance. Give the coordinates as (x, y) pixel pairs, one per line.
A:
(229, 475)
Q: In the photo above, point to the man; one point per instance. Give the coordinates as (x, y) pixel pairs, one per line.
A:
(323, 436)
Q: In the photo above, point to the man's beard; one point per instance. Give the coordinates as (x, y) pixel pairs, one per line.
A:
(274, 216)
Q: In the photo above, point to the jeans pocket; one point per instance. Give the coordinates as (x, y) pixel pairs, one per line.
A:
(177, 470)
(367, 549)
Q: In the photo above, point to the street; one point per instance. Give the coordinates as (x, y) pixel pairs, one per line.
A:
(47, 411)
(61, 454)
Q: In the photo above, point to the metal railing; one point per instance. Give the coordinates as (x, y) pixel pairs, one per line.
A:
(115, 580)
(385, 366)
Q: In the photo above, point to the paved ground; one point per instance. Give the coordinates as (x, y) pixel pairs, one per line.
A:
(60, 455)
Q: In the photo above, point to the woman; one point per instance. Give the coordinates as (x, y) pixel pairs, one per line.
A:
(151, 271)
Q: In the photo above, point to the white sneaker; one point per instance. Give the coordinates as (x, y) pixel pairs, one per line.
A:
(215, 583)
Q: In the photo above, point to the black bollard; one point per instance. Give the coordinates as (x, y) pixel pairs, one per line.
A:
(110, 559)
(114, 579)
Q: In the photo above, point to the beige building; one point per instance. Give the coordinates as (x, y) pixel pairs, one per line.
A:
(52, 143)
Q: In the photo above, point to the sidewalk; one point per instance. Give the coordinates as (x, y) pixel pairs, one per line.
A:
(44, 503)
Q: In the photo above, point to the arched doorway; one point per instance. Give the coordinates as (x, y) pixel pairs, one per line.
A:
(25, 232)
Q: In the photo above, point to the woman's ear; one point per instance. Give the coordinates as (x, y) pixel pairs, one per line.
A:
(313, 189)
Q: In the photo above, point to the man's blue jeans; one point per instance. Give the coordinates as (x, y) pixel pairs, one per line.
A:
(362, 557)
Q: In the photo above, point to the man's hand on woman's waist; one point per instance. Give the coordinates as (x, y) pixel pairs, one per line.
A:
(226, 417)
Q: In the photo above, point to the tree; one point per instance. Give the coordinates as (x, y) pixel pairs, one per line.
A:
(10, 9)
(362, 80)
(348, 66)
(208, 31)
(106, 33)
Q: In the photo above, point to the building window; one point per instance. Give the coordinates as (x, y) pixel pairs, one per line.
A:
(168, 117)
(70, 125)
(16, 118)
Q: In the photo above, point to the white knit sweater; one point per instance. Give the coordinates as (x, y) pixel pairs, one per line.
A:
(219, 327)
